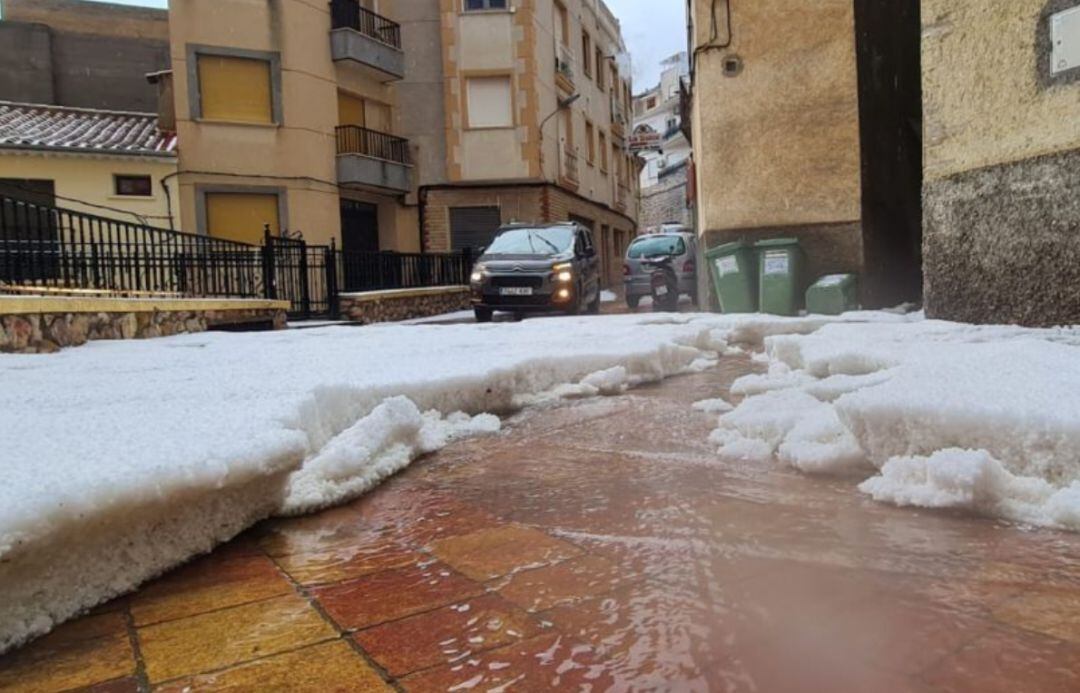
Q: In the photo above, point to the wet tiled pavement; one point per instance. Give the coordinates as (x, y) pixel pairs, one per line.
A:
(595, 546)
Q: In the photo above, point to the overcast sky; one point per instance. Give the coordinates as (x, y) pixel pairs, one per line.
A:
(654, 30)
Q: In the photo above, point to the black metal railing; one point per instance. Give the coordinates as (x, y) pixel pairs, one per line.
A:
(49, 247)
(379, 271)
(353, 139)
(348, 14)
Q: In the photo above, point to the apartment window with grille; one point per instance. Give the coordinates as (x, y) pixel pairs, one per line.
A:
(241, 215)
(586, 54)
(132, 186)
(603, 152)
(235, 86)
(590, 142)
(485, 4)
(490, 103)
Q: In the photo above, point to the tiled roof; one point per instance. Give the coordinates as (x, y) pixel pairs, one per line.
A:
(59, 128)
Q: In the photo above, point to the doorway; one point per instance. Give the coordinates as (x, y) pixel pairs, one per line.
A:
(359, 227)
(888, 46)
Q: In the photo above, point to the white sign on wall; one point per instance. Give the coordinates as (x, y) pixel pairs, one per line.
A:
(1065, 40)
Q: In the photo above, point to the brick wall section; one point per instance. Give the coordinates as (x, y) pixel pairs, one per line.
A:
(393, 306)
(541, 204)
(45, 333)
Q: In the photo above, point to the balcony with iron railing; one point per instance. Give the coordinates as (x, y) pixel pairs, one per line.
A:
(372, 159)
(363, 37)
(564, 67)
(569, 171)
(619, 118)
(622, 196)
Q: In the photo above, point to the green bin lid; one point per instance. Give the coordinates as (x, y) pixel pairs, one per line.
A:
(727, 249)
(777, 243)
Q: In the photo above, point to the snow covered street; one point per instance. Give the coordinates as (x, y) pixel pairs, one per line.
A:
(125, 459)
(598, 543)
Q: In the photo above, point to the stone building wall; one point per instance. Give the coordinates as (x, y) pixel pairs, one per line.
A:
(666, 201)
(25, 329)
(1002, 165)
(407, 304)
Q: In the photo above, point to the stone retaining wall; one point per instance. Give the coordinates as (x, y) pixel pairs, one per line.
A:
(407, 304)
(34, 325)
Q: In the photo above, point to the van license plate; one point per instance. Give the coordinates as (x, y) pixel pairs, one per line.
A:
(516, 291)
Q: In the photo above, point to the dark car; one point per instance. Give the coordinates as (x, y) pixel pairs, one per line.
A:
(537, 269)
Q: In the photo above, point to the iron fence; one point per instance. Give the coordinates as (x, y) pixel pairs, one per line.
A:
(45, 247)
(374, 271)
(348, 14)
(353, 139)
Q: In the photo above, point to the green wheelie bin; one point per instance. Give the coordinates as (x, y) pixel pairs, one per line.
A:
(733, 267)
(833, 294)
(780, 276)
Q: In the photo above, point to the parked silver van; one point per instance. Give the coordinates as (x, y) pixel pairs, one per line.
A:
(680, 244)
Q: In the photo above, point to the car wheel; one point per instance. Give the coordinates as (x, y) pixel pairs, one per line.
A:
(632, 302)
(483, 314)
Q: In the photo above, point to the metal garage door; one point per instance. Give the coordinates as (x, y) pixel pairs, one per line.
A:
(473, 227)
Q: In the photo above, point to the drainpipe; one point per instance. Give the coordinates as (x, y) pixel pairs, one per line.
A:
(422, 215)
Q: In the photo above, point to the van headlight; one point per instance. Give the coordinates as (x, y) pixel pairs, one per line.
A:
(563, 272)
(477, 275)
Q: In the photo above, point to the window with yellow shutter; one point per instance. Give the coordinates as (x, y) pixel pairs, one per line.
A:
(241, 216)
(234, 86)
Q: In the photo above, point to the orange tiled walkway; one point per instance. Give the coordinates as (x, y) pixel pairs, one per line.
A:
(597, 545)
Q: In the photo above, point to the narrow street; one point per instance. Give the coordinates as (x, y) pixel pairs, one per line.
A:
(594, 546)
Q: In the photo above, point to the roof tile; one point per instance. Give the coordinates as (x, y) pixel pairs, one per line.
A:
(31, 126)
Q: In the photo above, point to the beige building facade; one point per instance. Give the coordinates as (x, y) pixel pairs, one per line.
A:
(289, 122)
(534, 99)
(1002, 156)
(783, 121)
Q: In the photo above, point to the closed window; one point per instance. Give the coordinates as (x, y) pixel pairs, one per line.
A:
(235, 89)
(485, 4)
(586, 53)
(603, 152)
(590, 142)
(490, 104)
(600, 69)
(473, 227)
(133, 186)
(241, 216)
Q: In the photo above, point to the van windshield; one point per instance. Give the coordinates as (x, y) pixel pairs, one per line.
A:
(553, 240)
(653, 246)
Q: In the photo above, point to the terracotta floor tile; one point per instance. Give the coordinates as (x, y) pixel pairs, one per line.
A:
(1007, 661)
(322, 532)
(650, 636)
(447, 634)
(1054, 612)
(348, 563)
(89, 651)
(219, 639)
(212, 582)
(492, 553)
(548, 662)
(902, 634)
(332, 666)
(394, 594)
(569, 581)
(125, 685)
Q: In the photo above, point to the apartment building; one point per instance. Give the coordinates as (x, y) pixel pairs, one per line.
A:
(285, 114)
(663, 147)
(807, 123)
(534, 97)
